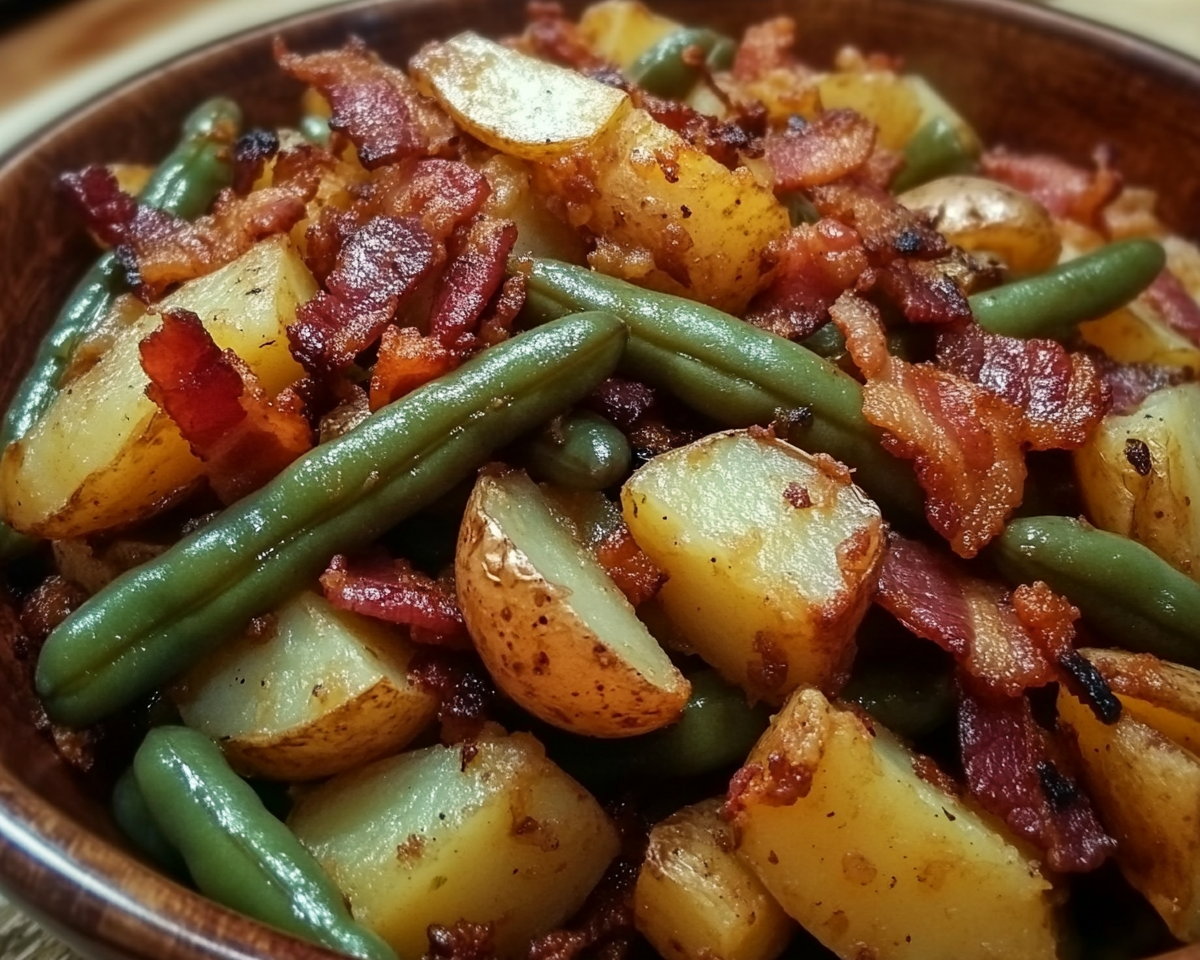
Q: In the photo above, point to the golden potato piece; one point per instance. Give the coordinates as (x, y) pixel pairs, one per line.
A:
(620, 31)
(554, 631)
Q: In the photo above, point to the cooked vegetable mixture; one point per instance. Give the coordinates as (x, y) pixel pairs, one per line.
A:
(622, 488)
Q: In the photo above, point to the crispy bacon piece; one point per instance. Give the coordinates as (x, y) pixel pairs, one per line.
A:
(816, 263)
(107, 209)
(834, 145)
(1175, 305)
(923, 291)
(472, 278)
(374, 104)
(1062, 188)
(638, 577)
(463, 941)
(1062, 394)
(390, 589)
(407, 360)
(462, 686)
(765, 47)
(888, 229)
(496, 325)
(243, 438)
(1010, 770)
(624, 402)
(250, 155)
(604, 926)
(966, 443)
(379, 267)
(1131, 383)
(551, 35)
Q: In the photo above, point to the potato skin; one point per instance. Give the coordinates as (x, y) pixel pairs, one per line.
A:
(537, 648)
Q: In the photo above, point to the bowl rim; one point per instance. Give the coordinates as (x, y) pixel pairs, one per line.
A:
(81, 887)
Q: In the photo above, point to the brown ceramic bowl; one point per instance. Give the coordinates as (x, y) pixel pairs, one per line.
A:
(1023, 76)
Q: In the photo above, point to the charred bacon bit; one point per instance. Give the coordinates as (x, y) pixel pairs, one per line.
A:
(888, 229)
(1007, 763)
(726, 141)
(463, 941)
(374, 104)
(624, 402)
(1062, 394)
(107, 209)
(1088, 685)
(470, 281)
(496, 325)
(250, 155)
(552, 36)
(765, 47)
(604, 926)
(923, 292)
(835, 144)
(243, 437)
(1175, 305)
(1048, 617)
(1062, 188)
(637, 576)
(965, 442)
(381, 264)
(50, 603)
(462, 686)
(816, 263)
(390, 589)
(406, 360)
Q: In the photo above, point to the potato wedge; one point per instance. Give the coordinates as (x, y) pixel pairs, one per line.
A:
(620, 31)
(539, 232)
(514, 103)
(1146, 789)
(695, 900)
(490, 831)
(554, 631)
(323, 691)
(103, 454)
(1137, 334)
(1139, 475)
(771, 555)
(872, 859)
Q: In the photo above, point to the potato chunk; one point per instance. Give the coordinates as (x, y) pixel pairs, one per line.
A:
(771, 555)
(103, 454)
(323, 691)
(1163, 695)
(1140, 477)
(695, 900)
(620, 31)
(514, 103)
(1146, 789)
(554, 631)
(490, 831)
(872, 859)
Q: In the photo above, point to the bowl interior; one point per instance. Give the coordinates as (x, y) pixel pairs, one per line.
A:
(1023, 76)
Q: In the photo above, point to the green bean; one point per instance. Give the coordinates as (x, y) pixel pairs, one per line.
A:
(159, 618)
(662, 71)
(133, 817)
(236, 851)
(716, 730)
(935, 150)
(907, 700)
(1124, 590)
(315, 129)
(582, 451)
(827, 342)
(800, 209)
(733, 372)
(1054, 303)
(184, 184)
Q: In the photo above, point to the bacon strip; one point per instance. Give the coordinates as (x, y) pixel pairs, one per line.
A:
(406, 361)
(888, 230)
(379, 267)
(1008, 765)
(1062, 188)
(390, 589)
(1171, 301)
(1130, 383)
(816, 263)
(966, 443)
(243, 438)
(374, 104)
(471, 280)
(1062, 394)
(835, 144)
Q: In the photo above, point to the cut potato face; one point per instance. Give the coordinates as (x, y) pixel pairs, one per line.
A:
(696, 900)
(104, 455)
(771, 556)
(554, 631)
(1146, 789)
(490, 831)
(620, 31)
(883, 97)
(514, 103)
(875, 861)
(539, 232)
(323, 691)
(1139, 475)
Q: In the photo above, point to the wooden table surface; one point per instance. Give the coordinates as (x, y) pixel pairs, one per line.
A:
(57, 60)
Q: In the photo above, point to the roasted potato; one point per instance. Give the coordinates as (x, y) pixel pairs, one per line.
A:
(554, 631)
(307, 693)
(103, 454)
(872, 859)
(695, 900)
(620, 31)
(488, 831)
(771, 556)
